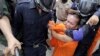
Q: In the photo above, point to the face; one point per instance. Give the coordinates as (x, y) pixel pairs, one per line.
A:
(72, 22)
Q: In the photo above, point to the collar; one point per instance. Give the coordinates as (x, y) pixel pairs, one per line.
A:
(31, 3)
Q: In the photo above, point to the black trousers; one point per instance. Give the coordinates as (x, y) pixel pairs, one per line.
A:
(34, 51)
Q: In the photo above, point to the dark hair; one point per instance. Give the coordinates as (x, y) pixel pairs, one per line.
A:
(75, 13)
(64, 1)
(75, 1)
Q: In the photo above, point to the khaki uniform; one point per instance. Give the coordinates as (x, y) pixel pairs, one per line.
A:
(61, 9)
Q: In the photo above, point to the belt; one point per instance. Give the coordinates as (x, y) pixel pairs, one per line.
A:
(33, 45)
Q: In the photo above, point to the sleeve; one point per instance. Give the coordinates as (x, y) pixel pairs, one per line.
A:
(17, 20)
(74, 6)
(69, 33)
(98, 8)
(81, 32)
(4, 8)
(97, 12)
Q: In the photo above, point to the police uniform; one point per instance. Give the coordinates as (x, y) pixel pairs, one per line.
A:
(33, 26)
(87, 8)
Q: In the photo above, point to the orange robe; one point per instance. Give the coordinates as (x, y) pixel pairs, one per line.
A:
(97, 37)
(62, 48)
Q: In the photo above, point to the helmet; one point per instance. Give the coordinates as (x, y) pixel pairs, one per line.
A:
(87, 7)
(45, 5)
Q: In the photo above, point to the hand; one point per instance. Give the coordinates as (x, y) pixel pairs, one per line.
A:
(12, 44)
(51, 24)
(93, 20)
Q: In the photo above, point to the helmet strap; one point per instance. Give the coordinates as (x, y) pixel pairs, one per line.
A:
(39, 10)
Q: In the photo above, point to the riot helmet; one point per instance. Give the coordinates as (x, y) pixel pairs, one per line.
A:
(45, 5)
(87, 7)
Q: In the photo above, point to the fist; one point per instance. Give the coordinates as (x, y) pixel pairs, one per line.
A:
(93, 20)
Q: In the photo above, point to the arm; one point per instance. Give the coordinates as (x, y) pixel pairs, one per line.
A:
(49, 37)
(6, 28)
(94, 19)
(61, 37)
(97, 13)
(81, 32)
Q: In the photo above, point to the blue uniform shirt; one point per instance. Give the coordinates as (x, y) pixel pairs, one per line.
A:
(33, 24)
(31, 2)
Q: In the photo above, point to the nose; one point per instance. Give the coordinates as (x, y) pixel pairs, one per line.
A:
(68, 25)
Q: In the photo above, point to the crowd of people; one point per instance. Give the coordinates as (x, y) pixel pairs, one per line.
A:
(70, 26)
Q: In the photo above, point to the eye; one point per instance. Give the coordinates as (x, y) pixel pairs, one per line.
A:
(70, 22)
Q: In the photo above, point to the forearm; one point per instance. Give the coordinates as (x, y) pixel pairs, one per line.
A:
(6, 28)
(97, 13)
(11, 40)
(61, 37)
(81, 32)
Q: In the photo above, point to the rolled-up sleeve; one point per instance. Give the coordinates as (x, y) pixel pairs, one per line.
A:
(4, 9)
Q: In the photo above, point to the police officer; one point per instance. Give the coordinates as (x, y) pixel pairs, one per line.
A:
(90, 13)
(5, 27)
(31, 17)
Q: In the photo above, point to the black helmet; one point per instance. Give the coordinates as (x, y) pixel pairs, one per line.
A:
(87, 7)
(45, 5)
